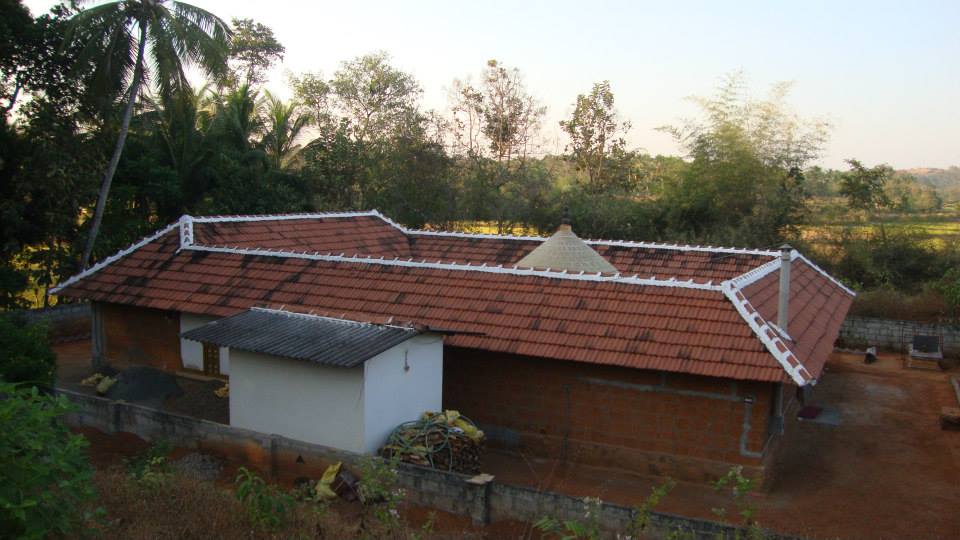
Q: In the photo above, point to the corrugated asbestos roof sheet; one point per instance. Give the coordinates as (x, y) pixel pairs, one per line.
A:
(333, 342)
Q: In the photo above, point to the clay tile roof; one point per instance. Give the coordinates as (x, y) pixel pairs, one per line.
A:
(710, 320)
(566, 251)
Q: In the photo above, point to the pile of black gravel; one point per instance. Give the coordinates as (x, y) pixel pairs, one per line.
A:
(139, 384)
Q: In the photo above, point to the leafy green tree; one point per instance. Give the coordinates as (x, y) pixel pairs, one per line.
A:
(374, 96)
(16, 29)
(499, 116)
(239, 119)
(253, 49)
(744, 183)
(117, 33)
(864, 187)
(46, 482)
(332, 167)
(312, 92)
(596, 135)
(25, 354)
(284, 124)
(47, 157)
(182, 123)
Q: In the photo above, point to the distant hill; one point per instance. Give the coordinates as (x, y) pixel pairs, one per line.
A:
(945, 181)
(938, 178)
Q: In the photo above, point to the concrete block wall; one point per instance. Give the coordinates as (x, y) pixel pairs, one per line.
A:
(285, 459)
(67, 322)
(684, 426)
(889, 334)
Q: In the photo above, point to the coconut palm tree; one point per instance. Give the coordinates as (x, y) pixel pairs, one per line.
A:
(117, 35)
(284, 124)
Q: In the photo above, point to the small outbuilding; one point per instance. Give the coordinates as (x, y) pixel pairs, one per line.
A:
(334, 382)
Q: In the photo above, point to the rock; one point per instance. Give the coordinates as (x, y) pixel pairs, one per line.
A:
(950, 419)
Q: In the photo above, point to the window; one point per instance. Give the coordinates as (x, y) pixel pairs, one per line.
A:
(211, 360)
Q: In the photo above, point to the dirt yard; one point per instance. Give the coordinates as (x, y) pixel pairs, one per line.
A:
(198, 399)
(876, 466)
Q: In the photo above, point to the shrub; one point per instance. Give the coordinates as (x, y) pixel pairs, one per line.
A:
(25, 353)
(150, 468)
(46, 478)
(265, 504)
(643, 513)
(380, 497)
(949, 287)
(927, 305)
(588, 529)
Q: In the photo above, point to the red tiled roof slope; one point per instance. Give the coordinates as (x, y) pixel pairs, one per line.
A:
(358, 234)
(649, 327)
(645, 261)
(371, 235)
(816, 311)
(649, 324)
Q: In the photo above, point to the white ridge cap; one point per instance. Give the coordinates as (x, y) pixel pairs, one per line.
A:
(116, 256)
(768, 336)
(752, 276)
(624, 243)
(282, 217)
(611, 278)
(312, 315)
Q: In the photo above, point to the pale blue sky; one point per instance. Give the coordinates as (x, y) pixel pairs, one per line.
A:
(886, 74)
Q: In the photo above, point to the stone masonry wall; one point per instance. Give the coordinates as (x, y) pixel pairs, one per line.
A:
(890, 334)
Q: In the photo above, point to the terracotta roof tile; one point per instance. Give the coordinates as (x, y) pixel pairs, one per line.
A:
(606, 322)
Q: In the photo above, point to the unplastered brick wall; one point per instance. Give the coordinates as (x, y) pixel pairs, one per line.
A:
(141, 335)
(649, 422)
(891, 334)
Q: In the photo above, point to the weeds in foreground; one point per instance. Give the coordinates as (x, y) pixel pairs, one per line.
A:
(266, 506)
(381, 498)
(572, 529)
(590, 527)
(150, 468)
(191, 509)
(643, 513)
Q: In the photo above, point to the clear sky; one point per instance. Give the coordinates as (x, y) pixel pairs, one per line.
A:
(886, 74)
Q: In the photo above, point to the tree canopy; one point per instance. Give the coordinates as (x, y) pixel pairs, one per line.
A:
(78, 114)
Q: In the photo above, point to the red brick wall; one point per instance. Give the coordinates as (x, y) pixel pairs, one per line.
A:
(603, 415)
(142, 336)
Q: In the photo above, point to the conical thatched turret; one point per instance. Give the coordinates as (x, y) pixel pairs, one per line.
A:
(566, 251)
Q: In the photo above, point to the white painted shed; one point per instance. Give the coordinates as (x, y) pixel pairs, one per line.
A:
(334, 382)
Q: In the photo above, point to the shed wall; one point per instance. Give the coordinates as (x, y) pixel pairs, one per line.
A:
(399, 385)
(297, 399)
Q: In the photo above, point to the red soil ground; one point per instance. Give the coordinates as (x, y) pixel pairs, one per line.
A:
(886, 471)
